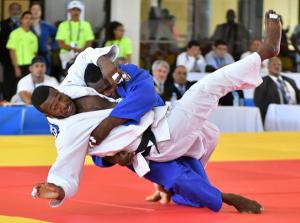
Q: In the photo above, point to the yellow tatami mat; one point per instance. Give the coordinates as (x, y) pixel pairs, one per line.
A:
(40, 150)
(9, 219)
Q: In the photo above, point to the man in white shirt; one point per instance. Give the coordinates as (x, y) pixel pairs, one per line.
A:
(192, 58)
(173, 142)
(219, 56)
(276, 88)
(36, 78)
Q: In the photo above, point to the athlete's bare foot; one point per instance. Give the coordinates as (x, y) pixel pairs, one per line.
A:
(271, 44)
(165, 197)
(160, 195)
(154, 197)
(242, 204)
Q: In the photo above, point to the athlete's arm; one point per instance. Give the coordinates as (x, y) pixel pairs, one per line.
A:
(108, 69)
(104, 128)
(123, 158)
(48, 191)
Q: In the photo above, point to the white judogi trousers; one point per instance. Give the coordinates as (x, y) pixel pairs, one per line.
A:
(191, 133)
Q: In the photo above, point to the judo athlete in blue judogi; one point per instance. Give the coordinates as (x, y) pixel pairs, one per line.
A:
(185, 177)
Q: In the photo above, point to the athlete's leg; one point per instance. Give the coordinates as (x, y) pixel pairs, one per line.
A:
(187, 186)
(190, 114)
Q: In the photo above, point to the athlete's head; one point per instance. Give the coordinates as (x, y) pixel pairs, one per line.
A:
(52, 103)
(93, 78)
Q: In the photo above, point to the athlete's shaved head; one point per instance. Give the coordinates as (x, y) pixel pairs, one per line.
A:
(92, 74)
(93, 78)
(39, 96)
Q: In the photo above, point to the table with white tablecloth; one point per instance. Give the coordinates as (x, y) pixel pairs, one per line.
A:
(282, 118)
(237, 119)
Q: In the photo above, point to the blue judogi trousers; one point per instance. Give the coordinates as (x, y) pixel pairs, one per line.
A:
(186, 179)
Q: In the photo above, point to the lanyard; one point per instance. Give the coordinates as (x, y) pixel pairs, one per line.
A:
(34, 85)
(78, 32)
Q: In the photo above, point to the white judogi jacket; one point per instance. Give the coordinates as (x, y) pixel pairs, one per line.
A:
(72, 137)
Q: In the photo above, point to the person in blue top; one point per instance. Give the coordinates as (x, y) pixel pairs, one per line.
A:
(45, 33)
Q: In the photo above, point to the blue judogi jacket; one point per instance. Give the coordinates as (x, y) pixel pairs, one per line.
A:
(48, 31)
(138, 97)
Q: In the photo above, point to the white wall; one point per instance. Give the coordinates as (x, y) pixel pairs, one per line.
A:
(128, 12)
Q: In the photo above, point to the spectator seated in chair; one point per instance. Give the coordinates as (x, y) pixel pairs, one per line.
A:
(276, 88)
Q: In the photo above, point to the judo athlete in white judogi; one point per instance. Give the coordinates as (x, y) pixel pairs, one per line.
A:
(181, 131)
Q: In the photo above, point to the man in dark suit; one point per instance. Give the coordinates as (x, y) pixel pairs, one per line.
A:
(276, 88)
(180, 84)
(7, 26)
(160, 70)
